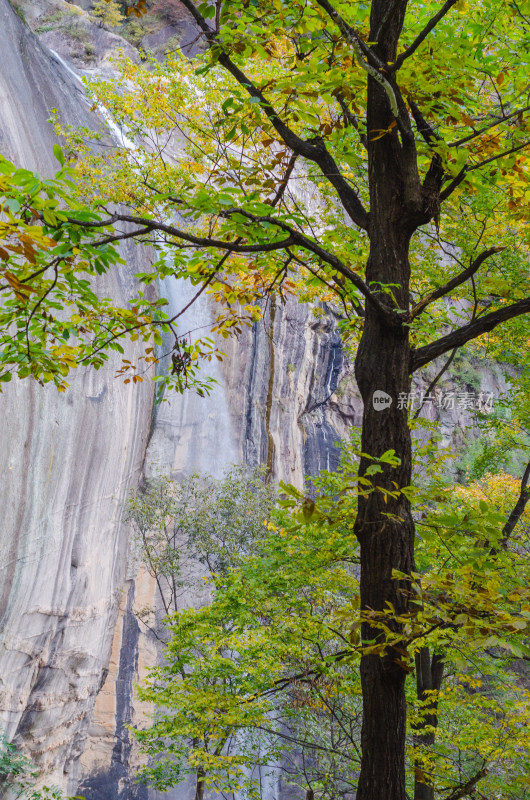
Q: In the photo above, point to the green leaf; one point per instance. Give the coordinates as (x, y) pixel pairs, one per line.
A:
(59, 155)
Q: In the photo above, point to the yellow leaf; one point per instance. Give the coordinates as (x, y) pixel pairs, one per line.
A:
(382, 131)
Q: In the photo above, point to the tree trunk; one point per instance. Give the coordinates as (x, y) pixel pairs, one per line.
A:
(385, 530)
(386, 543)
(429, 673)
(199, 786)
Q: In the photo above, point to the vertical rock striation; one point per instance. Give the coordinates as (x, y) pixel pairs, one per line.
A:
(274, 403)
(66, 668)
(66, 464)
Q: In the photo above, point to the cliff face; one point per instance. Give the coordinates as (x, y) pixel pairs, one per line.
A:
(271, 405)
(71, 648)
(66, 464)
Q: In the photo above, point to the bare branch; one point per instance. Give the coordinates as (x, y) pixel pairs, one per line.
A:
(447, 6)
(435, 380)
(462, 277)
(466, 333)
(304, 743)
(518, 509)
(466, 788)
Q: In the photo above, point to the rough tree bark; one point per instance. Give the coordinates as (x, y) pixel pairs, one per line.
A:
(199, 786)
(429, 674)
(383, 363)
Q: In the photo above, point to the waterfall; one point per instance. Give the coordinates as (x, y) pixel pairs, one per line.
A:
(191, 433)
(116, 132)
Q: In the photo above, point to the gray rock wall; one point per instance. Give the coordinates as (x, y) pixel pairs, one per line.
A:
(271, 405)
(66, 464)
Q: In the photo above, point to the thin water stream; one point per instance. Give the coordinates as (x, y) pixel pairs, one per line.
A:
(191, 433)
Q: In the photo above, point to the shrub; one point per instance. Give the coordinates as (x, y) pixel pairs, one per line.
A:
(169, 10)
(108, 12)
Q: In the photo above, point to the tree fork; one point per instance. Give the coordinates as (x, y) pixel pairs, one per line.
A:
(384, 524)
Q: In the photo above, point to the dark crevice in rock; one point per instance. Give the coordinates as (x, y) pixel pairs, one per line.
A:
(271, 449)
(118, 782)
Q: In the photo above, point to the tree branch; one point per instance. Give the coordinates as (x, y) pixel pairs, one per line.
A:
(471, 167)
(435, 380)
(457, 180)
(449, 189)
(329, 258)
(351, 119)
(314, 150)
(293, 238)
(361, 50)
(421, 36)
(427, 132)
(466, 788)
(149, 225)
(285, 180)
(434, 177)
(337, 287)
(466, 333)
(518, 509)
(471, 136)
(462, 277)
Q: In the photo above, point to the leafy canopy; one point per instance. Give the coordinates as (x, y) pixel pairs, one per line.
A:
(54, 252)
(249, 174)
(265, 675)
(248, 158)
